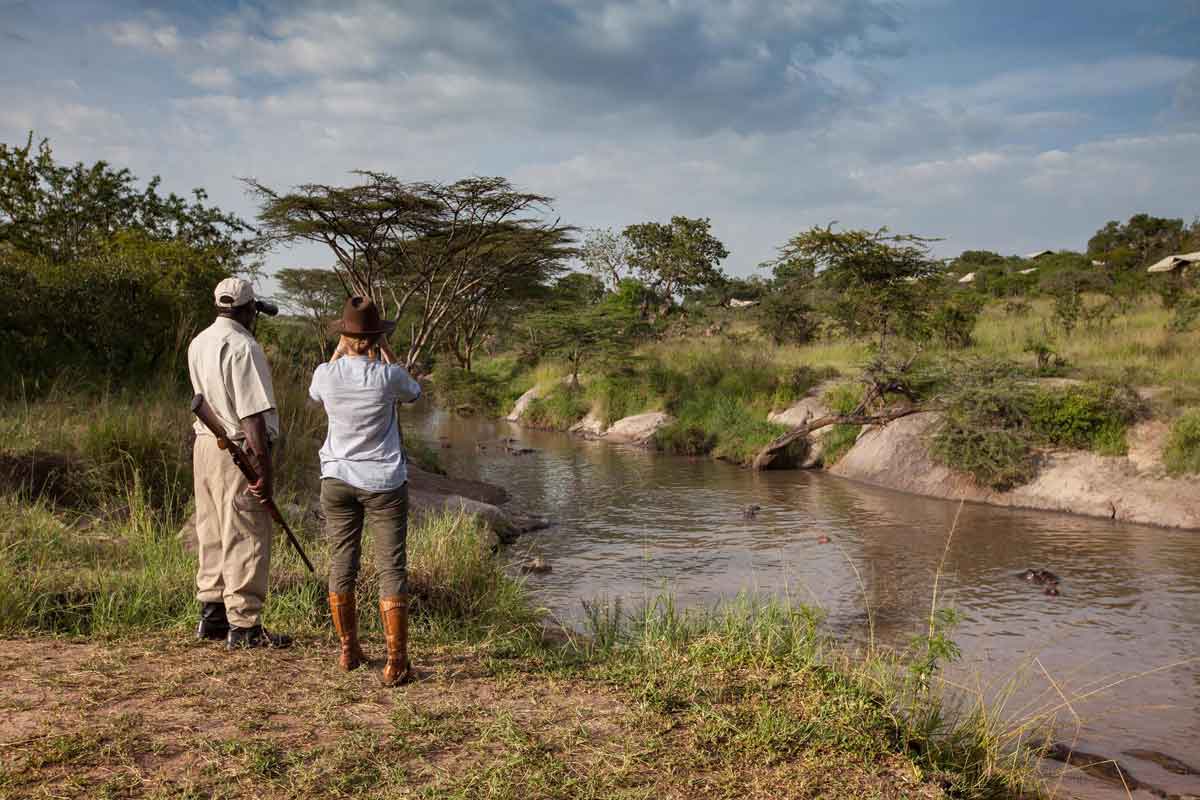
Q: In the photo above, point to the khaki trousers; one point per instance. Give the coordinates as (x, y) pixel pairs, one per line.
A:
(346, 509)
(234, 534)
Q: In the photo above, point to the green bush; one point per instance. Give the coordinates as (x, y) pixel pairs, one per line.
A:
(615, 397)
(1090, 416)
(994, 419)
(559, 410)
(93, 328)
(1182, 453)
(996, 457)
(467, 392)
(685, 440)
(721, 399)
(953, 322)
(985, 428)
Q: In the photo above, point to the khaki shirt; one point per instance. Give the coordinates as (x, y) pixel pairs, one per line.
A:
(230, 369)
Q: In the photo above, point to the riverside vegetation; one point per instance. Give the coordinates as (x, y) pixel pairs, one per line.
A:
(107, 696)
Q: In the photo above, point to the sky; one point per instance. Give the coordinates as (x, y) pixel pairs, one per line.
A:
(1009, 126)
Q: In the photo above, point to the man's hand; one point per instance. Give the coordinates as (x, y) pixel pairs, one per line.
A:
(263, 489)
(259, 449)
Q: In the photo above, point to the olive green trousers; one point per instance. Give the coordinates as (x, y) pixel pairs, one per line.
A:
(346, 509)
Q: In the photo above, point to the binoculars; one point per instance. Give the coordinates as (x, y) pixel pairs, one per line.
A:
(263, 307)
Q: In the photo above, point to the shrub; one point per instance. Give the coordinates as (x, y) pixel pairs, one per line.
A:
(994, 419)
(997, 457)
(985, 428)
(1182, 453)
(952, 323)
(619, 396)
(559, 410)
(467, 392)
(787, 316)
(685, 440)
(1090, 416)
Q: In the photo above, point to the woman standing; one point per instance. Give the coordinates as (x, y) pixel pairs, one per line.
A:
(364, 476)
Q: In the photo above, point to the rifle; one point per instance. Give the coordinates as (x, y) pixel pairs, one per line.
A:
(205, 414)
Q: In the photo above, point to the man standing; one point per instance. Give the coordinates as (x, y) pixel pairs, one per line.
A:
(233, 528)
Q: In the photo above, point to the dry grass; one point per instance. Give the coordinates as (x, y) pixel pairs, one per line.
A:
(163, 717)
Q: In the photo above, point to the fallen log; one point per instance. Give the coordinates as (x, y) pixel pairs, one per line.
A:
(767, 454)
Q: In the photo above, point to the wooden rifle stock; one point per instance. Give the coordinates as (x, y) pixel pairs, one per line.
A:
(204, 413)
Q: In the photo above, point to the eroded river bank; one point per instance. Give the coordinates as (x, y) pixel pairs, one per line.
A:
(1119, 641)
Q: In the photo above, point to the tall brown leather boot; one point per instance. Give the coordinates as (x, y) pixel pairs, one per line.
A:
(345, 621)
(394, 611)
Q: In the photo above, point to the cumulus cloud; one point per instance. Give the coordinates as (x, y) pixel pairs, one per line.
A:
(753, 64)
(214, 79)
(766, 115)
(144, 36)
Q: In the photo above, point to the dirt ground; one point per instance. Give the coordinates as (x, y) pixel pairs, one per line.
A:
(164, 716)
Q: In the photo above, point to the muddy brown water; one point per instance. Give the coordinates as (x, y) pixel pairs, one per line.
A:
(1121, 641)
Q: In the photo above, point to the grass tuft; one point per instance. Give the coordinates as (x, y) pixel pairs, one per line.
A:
(1182, 453)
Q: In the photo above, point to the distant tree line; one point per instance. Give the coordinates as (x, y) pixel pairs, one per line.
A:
(102, 275)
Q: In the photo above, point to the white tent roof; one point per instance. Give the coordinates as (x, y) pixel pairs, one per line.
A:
(1028, 271)
(1171, 262)
(968, 278)
(1039, 254)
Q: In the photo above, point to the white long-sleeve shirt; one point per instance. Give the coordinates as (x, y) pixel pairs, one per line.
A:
(363, 445)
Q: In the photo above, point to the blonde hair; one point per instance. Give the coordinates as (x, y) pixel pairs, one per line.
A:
(357, 345)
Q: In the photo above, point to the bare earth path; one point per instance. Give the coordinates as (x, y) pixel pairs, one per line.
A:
(161, 716)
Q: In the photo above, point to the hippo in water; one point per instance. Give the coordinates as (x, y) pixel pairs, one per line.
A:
(751, 511)
(1039, 576)
(1043, 577)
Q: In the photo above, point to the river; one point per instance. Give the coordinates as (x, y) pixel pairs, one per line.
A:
(630, 523)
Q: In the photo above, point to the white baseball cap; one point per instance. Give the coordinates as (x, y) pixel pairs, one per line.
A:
(233, 292)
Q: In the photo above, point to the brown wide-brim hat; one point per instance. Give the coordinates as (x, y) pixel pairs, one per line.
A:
(360, 317)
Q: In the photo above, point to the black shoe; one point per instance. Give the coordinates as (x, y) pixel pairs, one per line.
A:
(213, 623)
(257, 636)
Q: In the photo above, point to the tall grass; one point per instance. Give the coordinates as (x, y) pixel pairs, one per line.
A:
(1138, 345)
(1182, 453)
(761, 677)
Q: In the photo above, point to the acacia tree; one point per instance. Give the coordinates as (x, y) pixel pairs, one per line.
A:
(358, 223)
(786, 311)
(605, 254)
(584, 332)
(315, 294)
(420, 250)
(674, 258)
(533, 257)
(875, 284)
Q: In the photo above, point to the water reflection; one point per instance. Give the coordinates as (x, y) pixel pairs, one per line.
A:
(629, 523)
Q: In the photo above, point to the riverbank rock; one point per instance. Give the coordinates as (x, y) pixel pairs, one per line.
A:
(420, 480)
(522, 404)
(808, 409)
(638, 429)
(896, 456)
(590, 427)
